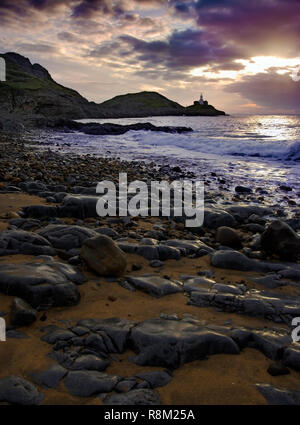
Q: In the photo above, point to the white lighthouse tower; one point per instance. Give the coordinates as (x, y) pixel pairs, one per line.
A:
(201, 101)
(2, 70)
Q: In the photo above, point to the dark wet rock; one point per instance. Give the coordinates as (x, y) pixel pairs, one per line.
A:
(41, 284)
(228, 237)
(104, 256)
(24, 223)
(116, 329)
(279, 238)
(291, 357)
(171, 343)
(21, 313)
(277, 396)
(137, 397)
(270, 281)
(277, 369)
(189, 247)
(14, 333)
(279, 308)
(50, 378)
(88, 383)
(16, 390)
(253, 228)
(228, 259)
(79, 206)
(155, 285)
(214, 218)
(58, 335)
(22, 242)
(155, 378)
(195, 283)
(168, 253)
(90, 362)
(243, 212)
(66, 237)
(243, 189)
(156, 263)
(40, 211)
(108, 232)
(125, 385)
(147, 251)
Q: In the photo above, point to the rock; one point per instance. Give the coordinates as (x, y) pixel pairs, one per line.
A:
(137, 397)
(228, 237)
(41, 284)
(214, 218)
(22, 242)
(108, 232)
(291, 357)
(21, 313)
(88, 383)
(125, 385)
(189, 247)
(66, 237)
(90, 362)
(279, 238)
(168, 253)
(234, 260)
(243, 189)
(277, 396)
(155, 285)
(155, 378)
(171, 343)
(16, 390)
(50, 378)
(156, 263)
(270, 281)
(104, 256)
(243, 212)
(277, 369)
(273, 306)
(79, 206)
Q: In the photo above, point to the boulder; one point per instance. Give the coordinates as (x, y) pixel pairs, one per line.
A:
(103, 256)
(22, 242)
(228, 237)
(154, 285)
(66, 237)
(21, 313)
(137, 397)
(280, 239)
(87, 383)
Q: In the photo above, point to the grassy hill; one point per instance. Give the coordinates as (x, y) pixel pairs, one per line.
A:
(31, 96)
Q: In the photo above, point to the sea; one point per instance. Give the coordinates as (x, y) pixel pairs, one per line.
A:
(254, 150)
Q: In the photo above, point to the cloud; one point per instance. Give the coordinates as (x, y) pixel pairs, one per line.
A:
(269, 90)
(181, 50)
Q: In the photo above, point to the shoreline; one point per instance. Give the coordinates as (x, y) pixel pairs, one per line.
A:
(196, 380)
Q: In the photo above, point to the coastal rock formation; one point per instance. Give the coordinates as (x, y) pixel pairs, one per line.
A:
(279, 238)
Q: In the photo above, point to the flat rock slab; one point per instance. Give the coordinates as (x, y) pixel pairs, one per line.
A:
(88, 383)
(277, 396)
(189, 247)
(16, 390)
(21, 242)
(154, 285)
(272, 306)
(171, 343)
(66, 237)
(42, 284)
(134, 398)
(50, 378)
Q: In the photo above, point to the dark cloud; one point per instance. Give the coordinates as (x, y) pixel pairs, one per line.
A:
(182, 50)
(269, 90)
(259, 26)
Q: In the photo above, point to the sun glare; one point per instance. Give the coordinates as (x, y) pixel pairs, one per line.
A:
(252, 66)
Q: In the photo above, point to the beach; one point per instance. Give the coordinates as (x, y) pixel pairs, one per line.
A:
(226, 315)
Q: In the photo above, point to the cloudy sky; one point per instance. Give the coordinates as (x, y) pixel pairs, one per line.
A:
(244, 55)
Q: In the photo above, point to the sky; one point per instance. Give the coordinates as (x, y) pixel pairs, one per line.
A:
(244, 55)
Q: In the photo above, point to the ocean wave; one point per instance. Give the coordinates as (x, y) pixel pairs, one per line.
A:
(244, 147)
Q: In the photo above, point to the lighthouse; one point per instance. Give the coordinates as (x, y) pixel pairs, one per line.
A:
(201, 101)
